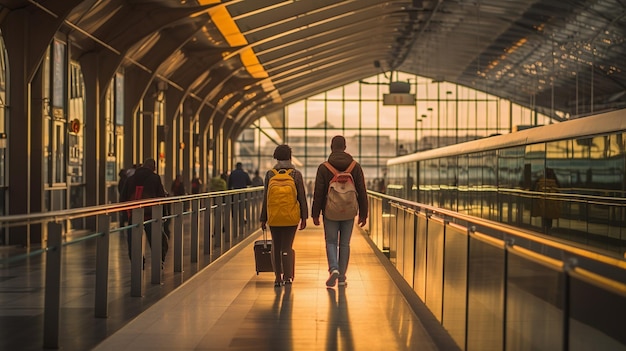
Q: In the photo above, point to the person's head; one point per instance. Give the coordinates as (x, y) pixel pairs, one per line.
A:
(239, 165)
(150, 164)
(338, 143)
(282, 153)
(256, 172)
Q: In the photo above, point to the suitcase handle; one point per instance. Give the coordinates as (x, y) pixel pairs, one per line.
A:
(264, 239)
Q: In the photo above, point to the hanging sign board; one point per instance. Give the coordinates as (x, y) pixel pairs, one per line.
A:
(399, 99)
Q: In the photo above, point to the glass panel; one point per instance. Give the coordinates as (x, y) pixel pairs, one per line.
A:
(434, 267)
(335, 94)
(335, 113)
(534, 306)
(352, 91)
(369, 114)
(598, 325)
(485, 296)
(59, 153)
(315, 114)
(352, 114)
(296, 115)
(511, 178)
(119, 99)
(58, 76)
(455, 283)
(388, 117)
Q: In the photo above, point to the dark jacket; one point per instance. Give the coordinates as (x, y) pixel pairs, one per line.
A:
(151, 182)
(340, 160)
(297, 176)
(178, 188)
(239, 179)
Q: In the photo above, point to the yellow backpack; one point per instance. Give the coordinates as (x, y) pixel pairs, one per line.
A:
(283, 208)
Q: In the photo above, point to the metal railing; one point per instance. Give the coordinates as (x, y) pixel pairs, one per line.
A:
(496, 287)
(221, 218)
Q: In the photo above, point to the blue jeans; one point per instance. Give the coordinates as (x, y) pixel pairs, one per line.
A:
(338, 234)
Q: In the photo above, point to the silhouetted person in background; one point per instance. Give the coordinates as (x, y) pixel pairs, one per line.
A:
(548, 209)
(196, 184)
(238, 178)
(178, 187)
(257, 180)
(218, 183)
(146, 184)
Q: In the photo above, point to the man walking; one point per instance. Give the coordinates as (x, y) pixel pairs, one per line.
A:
(146, 184)
(338, 232)
(238, 178)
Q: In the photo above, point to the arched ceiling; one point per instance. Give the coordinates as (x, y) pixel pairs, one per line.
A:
(550, 55)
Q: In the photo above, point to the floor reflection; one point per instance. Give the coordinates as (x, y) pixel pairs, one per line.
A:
(339, 335)
(282, 330)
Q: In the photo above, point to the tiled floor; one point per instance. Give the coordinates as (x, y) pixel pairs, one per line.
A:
(227, 306)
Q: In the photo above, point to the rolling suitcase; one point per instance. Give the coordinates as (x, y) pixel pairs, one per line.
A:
(263, 255)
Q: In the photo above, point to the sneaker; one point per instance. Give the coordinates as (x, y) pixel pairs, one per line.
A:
(288, 281)
(278, 283)
(332, 280)
(342, 282)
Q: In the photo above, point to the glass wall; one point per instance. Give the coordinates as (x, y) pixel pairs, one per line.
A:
(443, 114)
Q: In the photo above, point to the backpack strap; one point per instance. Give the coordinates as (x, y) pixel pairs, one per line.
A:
(335, 171)
(331, 168)
(287, 170)
(350, 167)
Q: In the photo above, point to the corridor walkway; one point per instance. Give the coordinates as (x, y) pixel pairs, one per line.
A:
(227, 306)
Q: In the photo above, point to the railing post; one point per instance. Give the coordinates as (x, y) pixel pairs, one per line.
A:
(178, 237)
(136, 253)
(242, 216)
(248, 212)
(236, 213)
(254, 217)
(208, 203)
(102, 266)
(156, 246)
(195, 225)
(219, 223)
(52, 297)
(228, 220)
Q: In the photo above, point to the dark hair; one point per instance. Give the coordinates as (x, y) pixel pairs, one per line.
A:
(282, 152)
(338, 143)
(150, 163)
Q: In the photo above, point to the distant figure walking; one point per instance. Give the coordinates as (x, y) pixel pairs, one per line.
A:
(178, 187)
(548, 209)
(238, 178)
(196, 185)
(146, 184)
(257, 180)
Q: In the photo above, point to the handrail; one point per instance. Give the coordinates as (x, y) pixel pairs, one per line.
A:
(62, 215)
(487, 282)
(513, 231)
(224, 225)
